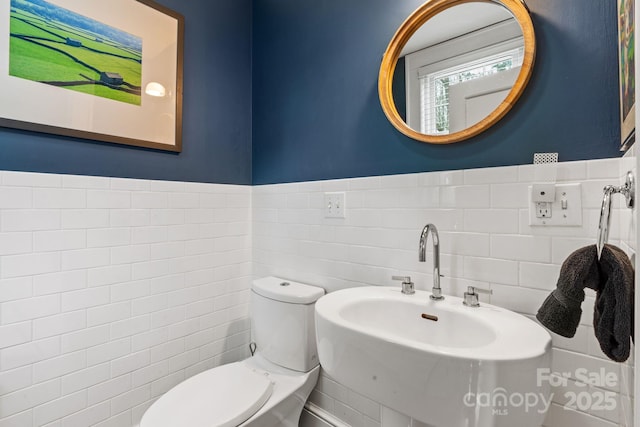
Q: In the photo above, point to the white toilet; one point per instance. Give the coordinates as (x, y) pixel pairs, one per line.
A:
(265, 390)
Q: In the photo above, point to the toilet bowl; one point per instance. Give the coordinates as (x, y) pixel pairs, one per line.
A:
(268, 389)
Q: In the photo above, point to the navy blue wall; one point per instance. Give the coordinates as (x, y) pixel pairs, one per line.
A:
(316, 113)
(217, 112)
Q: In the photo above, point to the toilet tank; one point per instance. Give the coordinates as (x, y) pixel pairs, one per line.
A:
(282, 322)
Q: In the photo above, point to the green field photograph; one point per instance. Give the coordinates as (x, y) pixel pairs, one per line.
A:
(59, 47)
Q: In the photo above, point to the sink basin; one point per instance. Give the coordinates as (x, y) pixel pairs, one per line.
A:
(439, 362)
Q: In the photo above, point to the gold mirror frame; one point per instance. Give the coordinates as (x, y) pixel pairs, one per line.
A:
(410, 26)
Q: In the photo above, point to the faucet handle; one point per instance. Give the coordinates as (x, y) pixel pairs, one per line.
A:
(471, 296)
(408, 287)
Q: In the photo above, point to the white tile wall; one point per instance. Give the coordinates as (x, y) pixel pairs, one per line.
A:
(485, 240)
(113, 290)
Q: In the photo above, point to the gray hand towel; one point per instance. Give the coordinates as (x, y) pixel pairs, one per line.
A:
(561, 311)
(613, 310)
(612, 278)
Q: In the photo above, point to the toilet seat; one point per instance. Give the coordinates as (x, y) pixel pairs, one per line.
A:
(225, 396)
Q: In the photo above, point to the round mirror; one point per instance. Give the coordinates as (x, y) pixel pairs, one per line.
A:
(456, 67)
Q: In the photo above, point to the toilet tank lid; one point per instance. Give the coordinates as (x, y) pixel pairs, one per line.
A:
(287, 290)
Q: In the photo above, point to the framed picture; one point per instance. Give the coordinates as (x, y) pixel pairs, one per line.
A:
(626, 55)
(105, 70)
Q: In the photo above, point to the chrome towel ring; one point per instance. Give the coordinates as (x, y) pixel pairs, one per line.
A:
(629, 191)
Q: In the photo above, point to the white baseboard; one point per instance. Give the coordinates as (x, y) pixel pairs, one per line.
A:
(314, 416)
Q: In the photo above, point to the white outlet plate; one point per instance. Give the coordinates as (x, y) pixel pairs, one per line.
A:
(334, 205)
(571, 194)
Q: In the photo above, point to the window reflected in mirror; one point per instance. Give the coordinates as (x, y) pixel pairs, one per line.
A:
(459, 70)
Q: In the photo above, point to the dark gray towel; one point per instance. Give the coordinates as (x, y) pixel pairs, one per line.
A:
(561, 311)
(614, 307)
(612, 279)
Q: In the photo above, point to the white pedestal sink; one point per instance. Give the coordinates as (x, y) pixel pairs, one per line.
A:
(472, 367)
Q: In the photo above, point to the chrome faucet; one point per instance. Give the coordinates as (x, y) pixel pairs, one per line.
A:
(436, 292)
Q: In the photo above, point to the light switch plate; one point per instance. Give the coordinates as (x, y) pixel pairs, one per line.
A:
(565, 209)
(334, 205)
